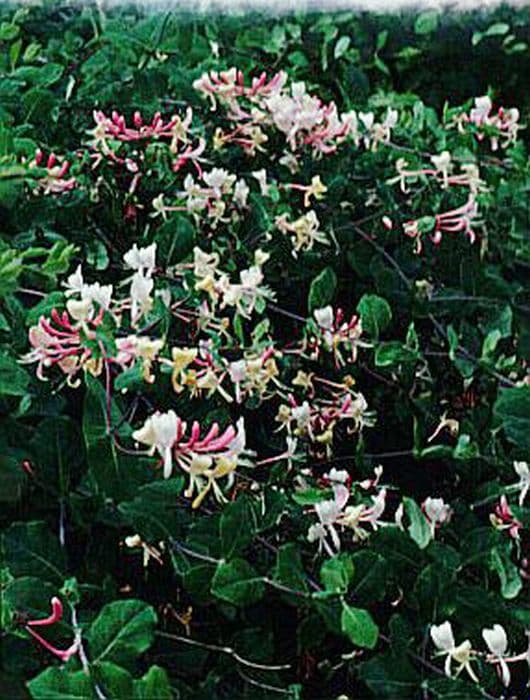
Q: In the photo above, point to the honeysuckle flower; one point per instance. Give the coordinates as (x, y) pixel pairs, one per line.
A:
(261, 177)
(505, 120)
(481, 110)
(141, 347)
(148, 551)
(372, 483)
(141, 301)
(497, 642)
(241, 192)
(55, 616)
(219, 180)
(101, 294)
(305, 231)
(456, 220)
(181, 359)
(218, 458)
(316, 189)
(160, 433)
(523, 472)
(327, 513)
(142, 259)
(503, 519)
(54, 181)
(437, 512)
(79, 309)
(354, 516)
(451, 424)
(205, 264)
(75, 282)
(443, 165)
(443, 638)
(337, 332)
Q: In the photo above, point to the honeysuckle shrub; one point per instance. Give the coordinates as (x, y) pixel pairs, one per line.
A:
(264, 383)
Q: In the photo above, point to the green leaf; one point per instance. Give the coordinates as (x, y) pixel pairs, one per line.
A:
(322, 289)
(116, 681)
(465, 448)
(30, 549)
(427, 22)
(237, 582)
(237, 526)
(14, 379)
(154, 684)
(103, 459)
(418, 528)
(512, 408)
(58, 684)
(8, 31)
(122, 631)
(337, 573)
(358, 625)
(511, 583)
(341, 46)
(375, 313)
(394, 353)
(289, 569)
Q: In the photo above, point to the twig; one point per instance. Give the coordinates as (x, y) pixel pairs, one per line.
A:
(225, 650)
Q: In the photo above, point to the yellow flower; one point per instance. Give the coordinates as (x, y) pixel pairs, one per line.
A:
(317, 190)
(182, 358)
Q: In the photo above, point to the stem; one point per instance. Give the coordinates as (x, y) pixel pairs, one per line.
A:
(225, 650)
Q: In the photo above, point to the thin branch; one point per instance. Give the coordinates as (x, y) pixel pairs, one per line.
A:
(225, 650)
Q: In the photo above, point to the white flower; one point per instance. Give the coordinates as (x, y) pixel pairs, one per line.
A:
(261, 177)
(443, 638)
(101, 294)
(367, 119)
(140, 258)
(497, 642)
(204, 264)
(141, 288)
(436, 511)
(241, 191)
(79, 310)
(160, 432)
(75, 283)
(219, 180)
(339, 475)
(482, 109)
(324, 317)
(442, 163)
(523, 472)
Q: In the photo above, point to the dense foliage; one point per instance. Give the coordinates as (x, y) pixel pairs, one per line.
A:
(264, 340)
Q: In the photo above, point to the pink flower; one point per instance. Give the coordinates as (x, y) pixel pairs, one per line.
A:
(55, 616)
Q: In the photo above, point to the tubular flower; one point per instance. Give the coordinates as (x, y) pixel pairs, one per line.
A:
(437, 512)
(304, 231)
(55, 616)
(497, 642)
(443, 638)
(505, 121)
(337, 332)
(204, 459)
(55, 180)
(160, 432)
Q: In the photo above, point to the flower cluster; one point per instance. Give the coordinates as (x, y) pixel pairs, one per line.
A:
(55, 179)
(204, 459)
(303, 119)
(73, 340)
(335, 514)
(502, 125)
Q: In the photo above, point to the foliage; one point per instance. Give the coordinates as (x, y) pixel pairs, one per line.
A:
(264, 340)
